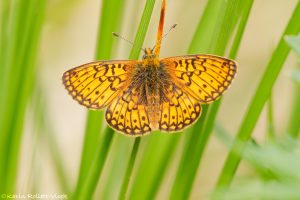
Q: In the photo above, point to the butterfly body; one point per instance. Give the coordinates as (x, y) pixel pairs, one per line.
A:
(150, 79)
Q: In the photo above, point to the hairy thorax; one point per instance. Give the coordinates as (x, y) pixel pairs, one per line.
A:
(151, 82)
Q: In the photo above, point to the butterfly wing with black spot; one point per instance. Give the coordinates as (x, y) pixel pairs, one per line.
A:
(204, 77)
(180, 111)
(96, 84)
(127, 116)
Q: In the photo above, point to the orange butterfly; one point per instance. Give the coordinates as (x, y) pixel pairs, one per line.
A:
(151, 94)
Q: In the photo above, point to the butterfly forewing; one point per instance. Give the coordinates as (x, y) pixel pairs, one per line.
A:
(95, 85)
(204, 77)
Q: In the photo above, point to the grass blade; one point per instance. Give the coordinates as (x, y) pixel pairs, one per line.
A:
(294, 125)
(135, 51)
(129, 169)
(94, 141)
(86, 190)
(261, 95)
(26, 24)
(157, 155)
(194, 147)
(146, 187)
(44, 132)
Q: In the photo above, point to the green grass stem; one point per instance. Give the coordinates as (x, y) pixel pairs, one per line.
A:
(194, 148)
(270, 120)
(86, 189)
(260, 97)
(18, 76)
(134, 54)
(293, 128)
(44, 132)
(95, 138)
(129, 169)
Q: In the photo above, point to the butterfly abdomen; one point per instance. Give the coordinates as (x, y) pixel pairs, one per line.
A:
(153, 109)
(151, 80)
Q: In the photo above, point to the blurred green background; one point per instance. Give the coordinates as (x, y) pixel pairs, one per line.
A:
(52, 145)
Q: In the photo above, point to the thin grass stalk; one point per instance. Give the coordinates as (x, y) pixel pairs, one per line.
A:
(256, 105)
(11, 76)
(3, 58)
(44, 126)
(88, 188)
(293, 128)
(4, 19)
(95, 138)
(129, 169)
(270, 120)
(120, 139)
(150, 172)
(44, 131)
(201, 42)
(90, 182)
(294, 125)
(114, 174)
(28, 72)
(22, 49)
(7, 86)
(203, 35)
(194, 148)
(156, 169)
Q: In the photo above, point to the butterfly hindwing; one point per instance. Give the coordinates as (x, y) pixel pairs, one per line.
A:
(180, 111)
(96, 84)
(127, 116)
(204, 77)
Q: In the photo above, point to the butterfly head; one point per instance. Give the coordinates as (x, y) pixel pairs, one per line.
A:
(148, 54)
(150, 58)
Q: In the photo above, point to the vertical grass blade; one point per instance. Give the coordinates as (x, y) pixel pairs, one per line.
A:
(4, 24)
(134, 54)
(44, 132)
(4, 20)
(261, 95)
(233, 11)
(270, 120)
(86, 189)
(146, 187)
(94, 140)
(153, 166)
(293, 128)
(21, 46)
(129, 169)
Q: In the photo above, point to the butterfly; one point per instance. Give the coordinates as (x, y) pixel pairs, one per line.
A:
(151, 94)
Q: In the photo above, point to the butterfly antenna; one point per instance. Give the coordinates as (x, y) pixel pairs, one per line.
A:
(130, 42)
(171, 28)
